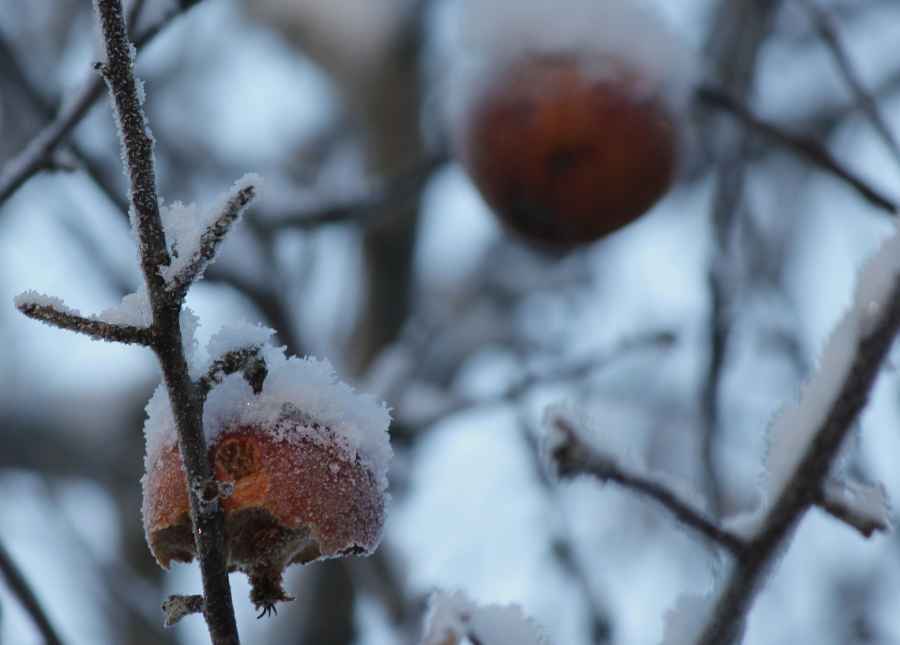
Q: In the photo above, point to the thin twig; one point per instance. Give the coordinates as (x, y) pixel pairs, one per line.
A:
(207, 519)
(210, 241)
(574, 457)
(840, 500)
(20, 589)
(807, 147)
(828, 31)
(245, 360)
(45, 110)
(33, 158)
(96, 329)
(177, 607)
(394, 194)
(803, 489)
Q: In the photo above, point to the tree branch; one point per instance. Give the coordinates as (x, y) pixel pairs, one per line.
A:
(803, 489)
(34, 157)
(395, 193)
(210, 241)
(573, 457)
(207, 519)
(66, 319)
(827, 29)
(844, 501)
(246, 360)
(20, 589)
(806, 147)
(177, 607)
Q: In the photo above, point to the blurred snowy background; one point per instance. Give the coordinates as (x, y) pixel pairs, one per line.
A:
(682, 334)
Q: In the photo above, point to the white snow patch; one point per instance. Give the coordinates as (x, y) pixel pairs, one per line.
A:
(798, 423)
(134, 310)
(605, 36)
(32, 298)
(869, 502)
(304, 390)
(185, 224)
(236, 337)
(453, 617)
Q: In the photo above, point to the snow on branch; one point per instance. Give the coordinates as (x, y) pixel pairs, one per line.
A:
(194, 238)
(177, 607)
(807, 436)
(453, 618)
(861, 506)
(246, 360)
(169, 333)
(55, 313)
(573, 453)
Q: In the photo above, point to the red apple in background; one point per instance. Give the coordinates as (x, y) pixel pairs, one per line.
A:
(566, 149)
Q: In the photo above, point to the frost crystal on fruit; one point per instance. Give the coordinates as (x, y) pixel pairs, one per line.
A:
(305, 462)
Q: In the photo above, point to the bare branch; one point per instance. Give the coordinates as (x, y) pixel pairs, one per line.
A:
(33, 158)
(395, 193)
(806, 147)
(210, 241)
(97, 329)
(828, 31)
(207, 520)
(804, 487)
(573, 457)
(177, 607)
(860, 507)
(20, 589)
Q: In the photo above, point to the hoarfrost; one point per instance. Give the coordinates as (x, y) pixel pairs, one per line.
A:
(612, 448)
(134, 310)
(301, 389)
(452, 617)
(185, 225)
(32, 298)
(869, 503)
(236, 337)
(797, 424)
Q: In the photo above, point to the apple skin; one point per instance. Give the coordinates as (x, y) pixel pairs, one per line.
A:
(297, 497)
(567, 151)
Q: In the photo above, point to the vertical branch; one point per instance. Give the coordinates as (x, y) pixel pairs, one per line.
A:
(825, 26)
(20, 589)
(803, 490)
(137, 143)
(740, 29)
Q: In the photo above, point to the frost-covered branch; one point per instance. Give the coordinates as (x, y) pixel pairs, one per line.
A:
(53, 312)
(861, 507)
(177, 607)
(572, 456)
(246, 360)
(807, 436)
(211, 238)
(34, 157)
(824, 24)
(137, 144)
(806, 147)
(19, 588)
